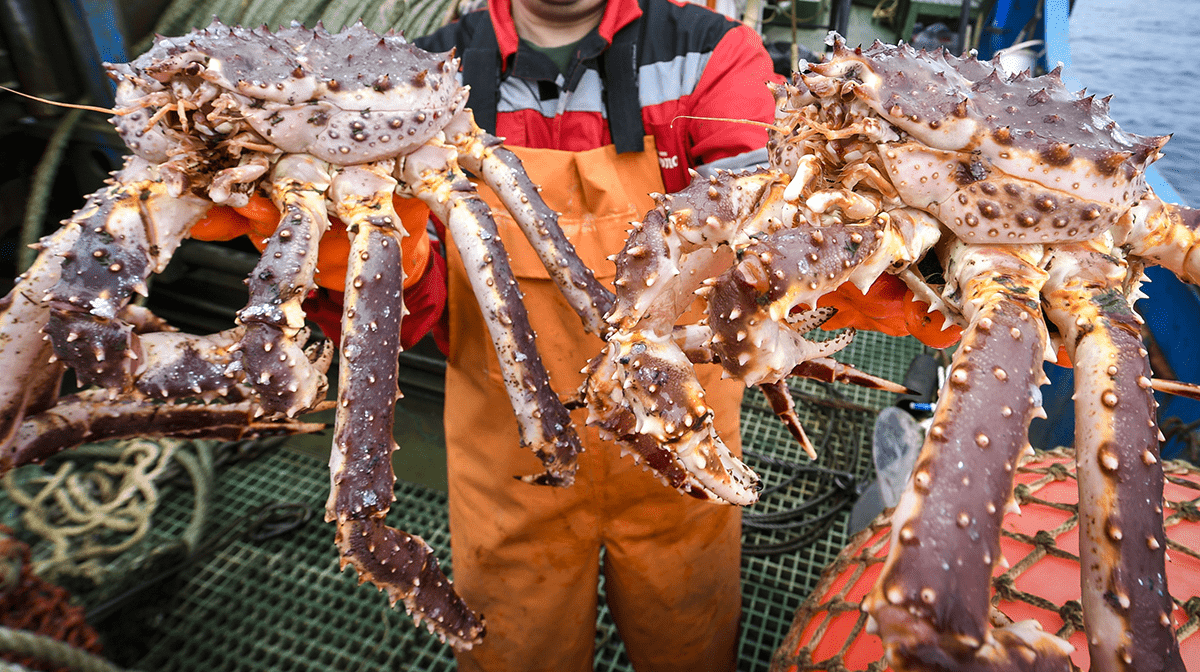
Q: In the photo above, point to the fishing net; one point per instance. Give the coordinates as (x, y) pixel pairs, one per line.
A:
(1040, 581)
(28, 604)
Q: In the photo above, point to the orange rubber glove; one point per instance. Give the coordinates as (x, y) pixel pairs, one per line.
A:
(927, 326)
(888, 307)
(877, 310)
(259, 218)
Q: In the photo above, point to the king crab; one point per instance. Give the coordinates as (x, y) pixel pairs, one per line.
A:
(324, 126)
(1004, 203)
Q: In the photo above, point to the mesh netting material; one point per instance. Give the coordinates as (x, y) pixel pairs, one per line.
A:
(281, 604)
(1041, 581)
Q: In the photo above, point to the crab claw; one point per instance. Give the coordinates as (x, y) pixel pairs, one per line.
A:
(651, 378)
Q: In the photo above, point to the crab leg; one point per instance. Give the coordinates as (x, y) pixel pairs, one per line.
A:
(360, 464)
(90, 416)
(501, 170)
(675, 253)
(289, 379)
(1122, 543)
(125, 233)
(32, 381)
(647, 376)
(932, 599)
(641, 390)
(1166, 234)
(544, 423)
(752, 303)
(673, 250)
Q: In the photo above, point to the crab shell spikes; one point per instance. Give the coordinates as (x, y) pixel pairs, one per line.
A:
(299, 90)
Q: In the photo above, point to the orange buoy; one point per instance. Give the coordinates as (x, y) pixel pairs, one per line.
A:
(1039, 581)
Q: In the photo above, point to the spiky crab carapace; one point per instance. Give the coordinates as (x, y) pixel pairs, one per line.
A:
(1012, 207)
(326, 126)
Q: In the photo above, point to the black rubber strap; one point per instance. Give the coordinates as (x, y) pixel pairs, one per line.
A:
(619, 64)
(481, 72)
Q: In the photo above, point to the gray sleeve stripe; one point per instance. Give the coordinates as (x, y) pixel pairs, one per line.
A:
(745, 161)
(657, 83)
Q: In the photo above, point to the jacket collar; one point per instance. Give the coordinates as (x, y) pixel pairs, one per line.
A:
(617, 15)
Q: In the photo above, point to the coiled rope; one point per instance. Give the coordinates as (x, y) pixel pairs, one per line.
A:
(91, 516)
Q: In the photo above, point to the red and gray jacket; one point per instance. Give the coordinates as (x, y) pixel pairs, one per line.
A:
(648, 69)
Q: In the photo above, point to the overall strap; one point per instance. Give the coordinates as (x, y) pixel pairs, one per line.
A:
(619, 67)
(481, 71)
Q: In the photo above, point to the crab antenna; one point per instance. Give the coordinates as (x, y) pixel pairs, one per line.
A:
(89, 108)
(770, 127)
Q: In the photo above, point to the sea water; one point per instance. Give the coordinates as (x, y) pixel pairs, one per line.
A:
(1146, 53)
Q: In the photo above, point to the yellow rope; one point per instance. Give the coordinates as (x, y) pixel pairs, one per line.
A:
(90, 516)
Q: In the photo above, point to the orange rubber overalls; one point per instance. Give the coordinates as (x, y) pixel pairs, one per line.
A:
(527, 556)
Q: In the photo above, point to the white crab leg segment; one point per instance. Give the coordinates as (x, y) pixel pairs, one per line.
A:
(1122, 543)
(932, 599)
(289, 380)
(482, 154)
(361, 475)
(1165, 234)
(642, 386)
(544, 424)
(90, 416)
(126, 232)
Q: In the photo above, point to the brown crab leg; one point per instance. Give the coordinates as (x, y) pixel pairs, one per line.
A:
(932, 599)
(289, 379)
(126, 232)
(780, 397)
(501, 170)
(1122, 543)
(361, 475)
(694, 341)
(617, 423)
(544, 423)
(90, 416)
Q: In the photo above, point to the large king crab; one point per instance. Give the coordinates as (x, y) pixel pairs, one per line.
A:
(1031, 207)
(324, 126)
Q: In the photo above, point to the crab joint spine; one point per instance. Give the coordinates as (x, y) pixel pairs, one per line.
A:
(1122, 542)
(276, 364)
(932, 599)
